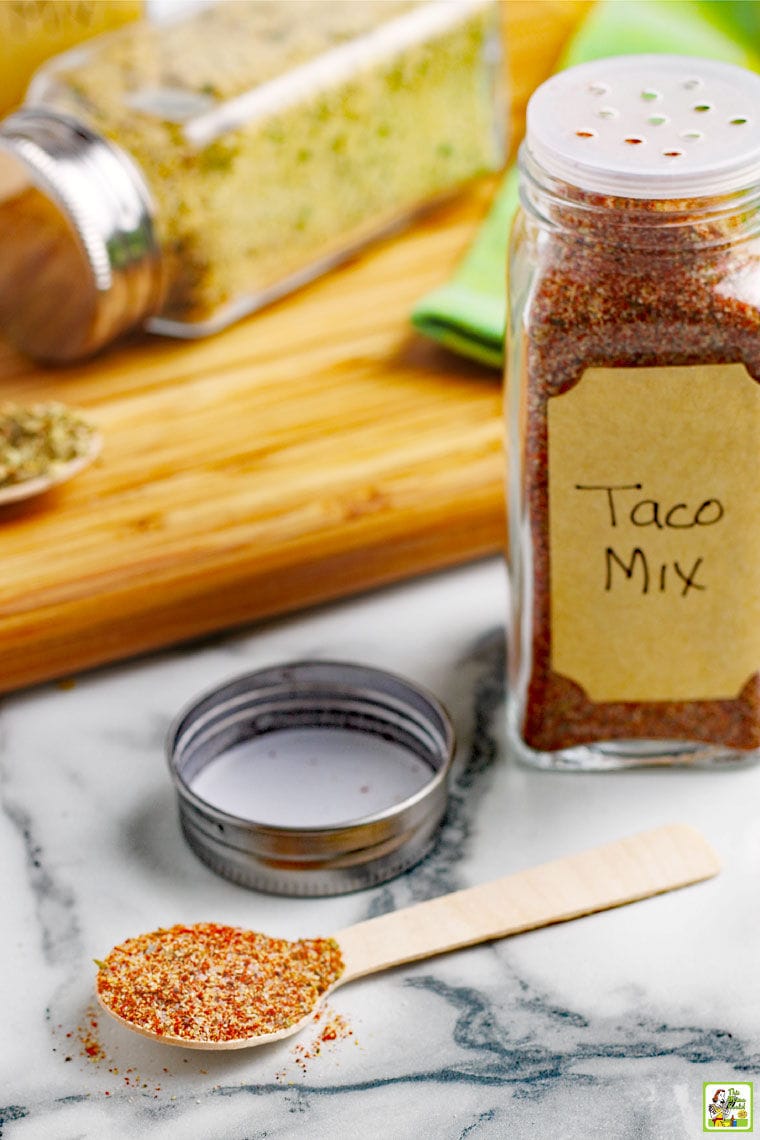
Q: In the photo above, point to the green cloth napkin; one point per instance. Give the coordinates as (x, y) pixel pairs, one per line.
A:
(467, 314)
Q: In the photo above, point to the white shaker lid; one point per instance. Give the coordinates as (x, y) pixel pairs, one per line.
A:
(649, 126)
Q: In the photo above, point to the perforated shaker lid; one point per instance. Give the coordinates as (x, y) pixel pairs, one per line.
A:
(649, 126)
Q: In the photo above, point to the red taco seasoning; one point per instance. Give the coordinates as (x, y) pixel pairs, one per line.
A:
(634, 408)
(212, 984)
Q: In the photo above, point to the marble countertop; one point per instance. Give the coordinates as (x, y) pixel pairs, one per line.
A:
(605, 1027)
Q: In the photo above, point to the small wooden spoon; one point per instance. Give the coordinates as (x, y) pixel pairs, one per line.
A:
(27, 488)
(622, 872)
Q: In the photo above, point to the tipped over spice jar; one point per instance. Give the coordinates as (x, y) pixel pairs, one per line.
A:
(634, 418)
(188, 173)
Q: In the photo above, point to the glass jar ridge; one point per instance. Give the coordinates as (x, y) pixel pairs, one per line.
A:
(633, 405)
(700, 222)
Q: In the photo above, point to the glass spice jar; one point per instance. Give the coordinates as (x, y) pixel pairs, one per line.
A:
(181, 175)
(634, 418)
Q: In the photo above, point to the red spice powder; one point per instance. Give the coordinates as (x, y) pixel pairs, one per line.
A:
(211, 983)
(332, 1027)
(89, 1040)
(336, 1028)
(614, 290)
(92, 1049)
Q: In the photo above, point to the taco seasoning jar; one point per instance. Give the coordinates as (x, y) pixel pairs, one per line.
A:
(634, 410)
(181, 175)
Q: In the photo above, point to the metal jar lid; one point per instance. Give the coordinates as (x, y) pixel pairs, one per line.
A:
(367, 726)
(79, 259)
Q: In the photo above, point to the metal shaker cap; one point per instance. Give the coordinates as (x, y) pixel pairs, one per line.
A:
(79, 261)
(314, 778)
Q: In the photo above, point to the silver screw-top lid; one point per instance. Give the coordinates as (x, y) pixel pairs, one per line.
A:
(649, 126)
(332, 776)
(79, 261)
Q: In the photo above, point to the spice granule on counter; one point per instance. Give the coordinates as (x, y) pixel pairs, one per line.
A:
(90, 1043)
(331, 1027)
(334, 1027)
(38, 439)
(212, 983)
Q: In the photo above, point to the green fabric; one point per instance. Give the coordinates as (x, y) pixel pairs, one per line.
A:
(467, 314)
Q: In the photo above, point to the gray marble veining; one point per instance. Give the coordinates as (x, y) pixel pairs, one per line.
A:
(605, 1027)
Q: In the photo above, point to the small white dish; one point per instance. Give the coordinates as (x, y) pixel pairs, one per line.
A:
(27, 488)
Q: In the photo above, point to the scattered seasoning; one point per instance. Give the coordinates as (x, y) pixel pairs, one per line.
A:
(130, 1082)
(211, 983)
(89, 1040)
(38, 440)
(620, 282)
(331, 1027)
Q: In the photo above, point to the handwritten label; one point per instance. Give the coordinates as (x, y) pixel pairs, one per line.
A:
(654, 532)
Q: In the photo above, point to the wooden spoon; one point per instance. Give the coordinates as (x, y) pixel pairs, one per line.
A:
(622, 872)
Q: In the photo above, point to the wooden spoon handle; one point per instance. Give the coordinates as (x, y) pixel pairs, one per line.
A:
(617, 873)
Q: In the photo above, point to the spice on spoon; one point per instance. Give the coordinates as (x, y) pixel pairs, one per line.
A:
(220, 987)
(210, 984)
(39, 441)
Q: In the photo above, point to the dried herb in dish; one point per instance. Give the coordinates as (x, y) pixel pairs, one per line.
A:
(38, 440)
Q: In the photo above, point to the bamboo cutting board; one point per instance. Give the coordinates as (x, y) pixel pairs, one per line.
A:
(316, 449)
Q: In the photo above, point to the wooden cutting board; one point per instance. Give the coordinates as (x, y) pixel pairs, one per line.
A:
(314, 450)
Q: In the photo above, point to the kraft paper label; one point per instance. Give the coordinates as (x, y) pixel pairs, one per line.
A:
(654, 532)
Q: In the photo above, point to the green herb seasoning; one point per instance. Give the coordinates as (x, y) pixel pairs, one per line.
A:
(39, 440)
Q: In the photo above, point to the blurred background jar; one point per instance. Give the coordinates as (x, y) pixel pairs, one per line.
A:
(32, 31)
(181, 175)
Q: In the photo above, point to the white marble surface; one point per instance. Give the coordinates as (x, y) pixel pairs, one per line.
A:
(604, 1027)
